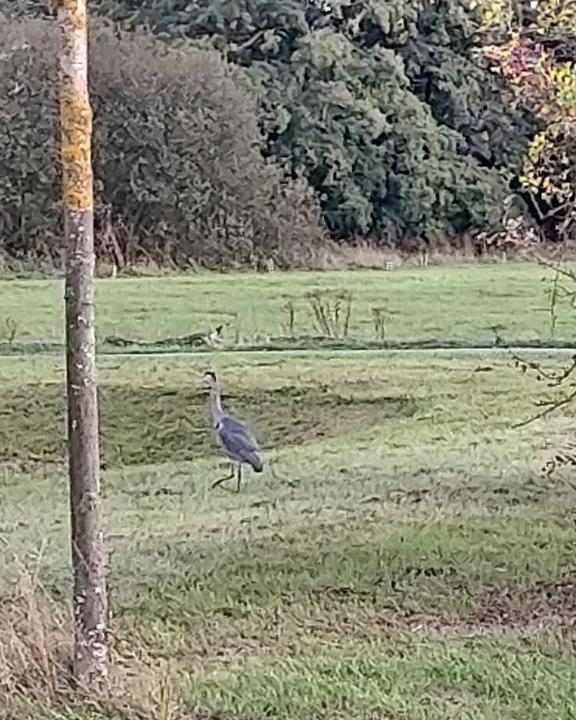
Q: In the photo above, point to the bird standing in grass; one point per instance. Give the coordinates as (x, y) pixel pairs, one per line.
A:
(236, 440)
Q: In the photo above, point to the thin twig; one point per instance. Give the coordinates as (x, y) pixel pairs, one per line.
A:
(550, 408)
(554, 266)
(553, 378)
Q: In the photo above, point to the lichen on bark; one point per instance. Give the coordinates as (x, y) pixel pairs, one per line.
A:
(76, 156)
(75, 112)
(76, 13)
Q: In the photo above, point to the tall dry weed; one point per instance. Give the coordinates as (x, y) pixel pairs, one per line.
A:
(35, 670)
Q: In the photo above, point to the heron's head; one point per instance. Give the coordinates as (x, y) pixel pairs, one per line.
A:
(209, 381)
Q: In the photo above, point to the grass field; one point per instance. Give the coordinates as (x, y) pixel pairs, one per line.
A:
(464, 303)
(402, 557)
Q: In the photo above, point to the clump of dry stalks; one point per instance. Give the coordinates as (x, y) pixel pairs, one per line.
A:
(35, 671)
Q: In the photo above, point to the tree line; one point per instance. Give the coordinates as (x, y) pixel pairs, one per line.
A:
(232, 132)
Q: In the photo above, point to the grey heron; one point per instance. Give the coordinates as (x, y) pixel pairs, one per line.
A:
(235, 439)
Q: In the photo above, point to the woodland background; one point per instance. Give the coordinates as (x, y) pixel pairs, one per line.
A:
(235, 132)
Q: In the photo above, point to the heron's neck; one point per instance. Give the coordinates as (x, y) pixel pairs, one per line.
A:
(215, 405)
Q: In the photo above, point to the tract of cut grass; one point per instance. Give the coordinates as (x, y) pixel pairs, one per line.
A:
(153, 409)
(417, 678)
(401, 556)
(469, 303)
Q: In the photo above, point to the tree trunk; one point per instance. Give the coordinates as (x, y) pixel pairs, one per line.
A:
(87, 536)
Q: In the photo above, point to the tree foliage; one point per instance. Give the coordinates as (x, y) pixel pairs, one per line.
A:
(534, 47)
(178, 163)
(381, 104)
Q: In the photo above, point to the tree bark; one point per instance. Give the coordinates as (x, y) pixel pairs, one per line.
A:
(90, 656)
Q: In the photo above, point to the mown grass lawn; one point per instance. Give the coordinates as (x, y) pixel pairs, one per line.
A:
(459, 302)
(402, 557)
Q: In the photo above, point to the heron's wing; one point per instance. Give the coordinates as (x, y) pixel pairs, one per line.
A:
(236, 437)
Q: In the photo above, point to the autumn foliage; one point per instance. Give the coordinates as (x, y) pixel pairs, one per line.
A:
(534, 48)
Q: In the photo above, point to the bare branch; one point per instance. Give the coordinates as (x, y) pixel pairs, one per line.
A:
(566, 272)
(549, 409)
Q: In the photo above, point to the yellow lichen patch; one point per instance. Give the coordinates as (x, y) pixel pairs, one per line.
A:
(76, 10)
(76, 157)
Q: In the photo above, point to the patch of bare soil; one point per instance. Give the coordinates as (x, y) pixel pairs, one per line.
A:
(543, 604)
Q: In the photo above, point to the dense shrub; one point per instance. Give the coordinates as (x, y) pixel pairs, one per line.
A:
(179, 172)
(29, 215)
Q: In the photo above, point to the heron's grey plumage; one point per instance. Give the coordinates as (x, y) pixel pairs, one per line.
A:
(235, 439)
(238, 442)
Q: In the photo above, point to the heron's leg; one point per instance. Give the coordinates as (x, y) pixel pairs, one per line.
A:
(239, 477)
(230, 476)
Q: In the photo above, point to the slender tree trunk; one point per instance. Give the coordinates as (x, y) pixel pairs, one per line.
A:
(88, 559)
